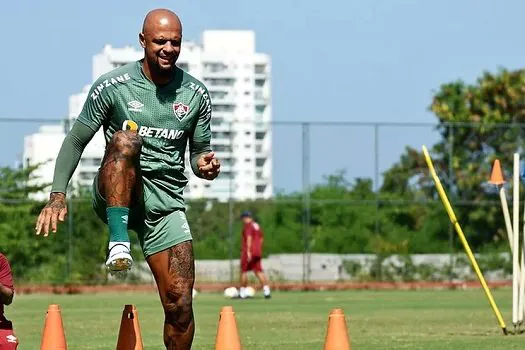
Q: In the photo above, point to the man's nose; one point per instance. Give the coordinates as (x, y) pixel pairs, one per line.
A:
(168, 47)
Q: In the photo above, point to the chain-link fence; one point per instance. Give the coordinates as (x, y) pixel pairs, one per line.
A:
(345, 198)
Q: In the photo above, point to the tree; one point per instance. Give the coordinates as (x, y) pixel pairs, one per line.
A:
(17, 219)
(17, 184)
(38, 259)
(471, 119)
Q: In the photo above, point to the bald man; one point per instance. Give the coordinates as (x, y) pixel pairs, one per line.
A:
(149, 110)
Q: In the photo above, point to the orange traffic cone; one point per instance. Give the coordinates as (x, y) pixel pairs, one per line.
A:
(337, 333)
(53, 336)
(129, 337)
(227, 334)
(496, 176)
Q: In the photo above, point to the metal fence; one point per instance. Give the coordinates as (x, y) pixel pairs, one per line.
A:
(304, 156)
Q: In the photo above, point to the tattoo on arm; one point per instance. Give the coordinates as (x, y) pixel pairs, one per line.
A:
(56, 200)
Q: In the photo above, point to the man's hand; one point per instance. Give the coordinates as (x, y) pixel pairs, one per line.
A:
(6, 295)
(54, 210)
(209, 166)
(249, 256)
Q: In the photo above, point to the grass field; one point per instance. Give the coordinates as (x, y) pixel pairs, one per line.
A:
(291, 320)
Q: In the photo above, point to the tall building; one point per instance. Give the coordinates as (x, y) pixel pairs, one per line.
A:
(41, 148)
(238, 80)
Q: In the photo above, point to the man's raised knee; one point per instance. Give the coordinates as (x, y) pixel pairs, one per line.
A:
(178, 305)
(126, 142)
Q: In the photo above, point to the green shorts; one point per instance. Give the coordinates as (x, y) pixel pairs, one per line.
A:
(156, 231)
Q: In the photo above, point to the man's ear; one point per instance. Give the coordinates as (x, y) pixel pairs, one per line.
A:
(142, 40)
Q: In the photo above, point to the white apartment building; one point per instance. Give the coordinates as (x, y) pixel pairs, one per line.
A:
(238, 80)
(42, 148)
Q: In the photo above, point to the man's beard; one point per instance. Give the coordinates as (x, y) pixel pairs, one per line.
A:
(163, 71)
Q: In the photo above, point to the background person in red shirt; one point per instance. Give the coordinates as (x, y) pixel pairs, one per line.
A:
(8, 340)
(251, 254)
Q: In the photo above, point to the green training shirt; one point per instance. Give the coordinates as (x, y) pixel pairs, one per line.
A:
(166, 117)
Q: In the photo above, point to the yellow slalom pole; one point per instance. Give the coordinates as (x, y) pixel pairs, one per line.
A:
(455, 222)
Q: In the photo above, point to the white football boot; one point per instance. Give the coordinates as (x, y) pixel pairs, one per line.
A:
(119, 257)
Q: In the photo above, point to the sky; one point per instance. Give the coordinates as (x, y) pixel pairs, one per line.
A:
(373, 61)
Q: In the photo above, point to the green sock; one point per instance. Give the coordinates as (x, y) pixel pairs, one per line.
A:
(118, 224)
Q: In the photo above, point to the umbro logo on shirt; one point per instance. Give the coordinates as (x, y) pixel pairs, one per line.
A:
(135, 106)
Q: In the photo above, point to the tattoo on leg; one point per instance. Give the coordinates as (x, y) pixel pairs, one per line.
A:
(120, 169)
(179, 327)
(181, 264)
